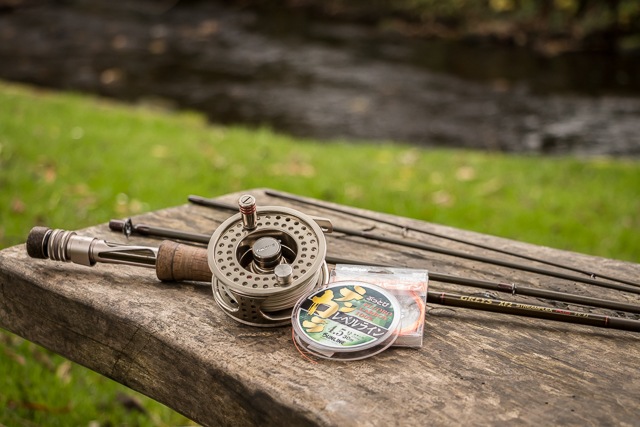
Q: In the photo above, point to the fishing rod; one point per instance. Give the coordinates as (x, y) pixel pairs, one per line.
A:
(174, 261)
(449, 252)
(430, 248)
(301, 200)
(128, 228)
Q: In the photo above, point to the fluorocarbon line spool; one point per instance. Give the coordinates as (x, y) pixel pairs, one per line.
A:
(263, 259)
(348, 320)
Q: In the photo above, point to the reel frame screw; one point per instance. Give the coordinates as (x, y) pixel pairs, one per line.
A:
(284, 274)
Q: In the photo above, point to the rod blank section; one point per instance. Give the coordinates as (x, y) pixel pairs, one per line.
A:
(530, 310)
(449, 252)
(512, 289)
(537, 293)
(211, 203)
(352, 212)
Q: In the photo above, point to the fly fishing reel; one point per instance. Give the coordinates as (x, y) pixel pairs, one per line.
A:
(263, 259)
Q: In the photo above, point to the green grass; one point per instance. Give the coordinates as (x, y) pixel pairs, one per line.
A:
(39, 388)
(69, 161)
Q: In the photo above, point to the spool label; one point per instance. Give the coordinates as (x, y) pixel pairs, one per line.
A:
(346, 316)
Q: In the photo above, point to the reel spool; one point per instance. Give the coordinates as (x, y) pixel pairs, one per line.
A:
(348, 320)
(263, 259)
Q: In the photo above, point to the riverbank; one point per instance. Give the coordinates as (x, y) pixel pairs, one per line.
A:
(326, 79)
(73, 160)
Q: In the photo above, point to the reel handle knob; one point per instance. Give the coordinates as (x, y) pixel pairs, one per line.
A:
(178, 261)
(248, 211)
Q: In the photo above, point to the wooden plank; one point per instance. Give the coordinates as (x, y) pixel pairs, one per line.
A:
(171, 342)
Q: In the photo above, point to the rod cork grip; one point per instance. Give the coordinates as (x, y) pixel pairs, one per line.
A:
(36, 243)
(177, 261)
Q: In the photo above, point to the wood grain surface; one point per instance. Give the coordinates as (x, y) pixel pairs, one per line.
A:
(171, 342)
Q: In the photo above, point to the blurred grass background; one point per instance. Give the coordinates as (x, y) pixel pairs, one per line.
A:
(70, 161)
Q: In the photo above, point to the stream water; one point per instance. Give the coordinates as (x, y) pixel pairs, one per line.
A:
(326, 79)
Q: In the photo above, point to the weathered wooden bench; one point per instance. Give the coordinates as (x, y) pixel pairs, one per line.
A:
(171, 341)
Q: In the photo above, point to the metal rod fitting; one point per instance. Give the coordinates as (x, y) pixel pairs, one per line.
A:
(67, 246)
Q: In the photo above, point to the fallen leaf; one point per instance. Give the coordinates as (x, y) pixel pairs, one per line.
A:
(16, 357)
(130, 403)
(359, 105)
(63, 372)
(465, 173)
(443, 198)
(50, 174)
(158, 47)
(409, 157)
(160, 151)
(119, 42)
(208, 28)
(111, 76)
(17, 206)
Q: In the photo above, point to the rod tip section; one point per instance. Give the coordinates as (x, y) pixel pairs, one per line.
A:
(197, 200)
(37, 242)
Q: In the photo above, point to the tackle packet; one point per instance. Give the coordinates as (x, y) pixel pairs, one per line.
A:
(408, 285)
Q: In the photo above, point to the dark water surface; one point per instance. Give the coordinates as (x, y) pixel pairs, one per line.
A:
(324, 79)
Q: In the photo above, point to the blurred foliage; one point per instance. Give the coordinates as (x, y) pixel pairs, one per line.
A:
(554, 16)
(549, 26)
(39, 388)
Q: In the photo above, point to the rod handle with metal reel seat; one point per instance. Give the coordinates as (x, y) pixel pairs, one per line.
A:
(173, 261)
